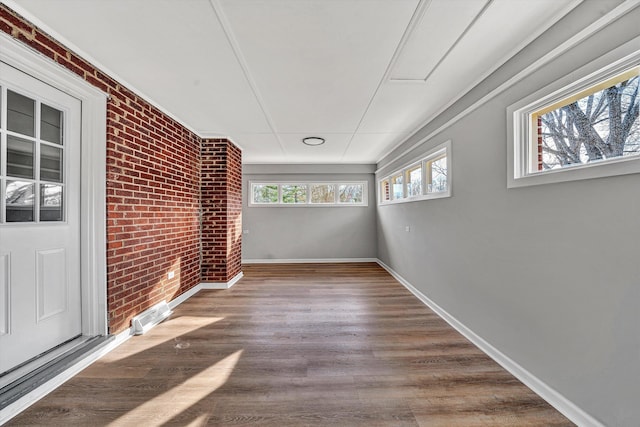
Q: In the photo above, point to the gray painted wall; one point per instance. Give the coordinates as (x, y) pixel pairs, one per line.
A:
(549, 275)
(308, 232)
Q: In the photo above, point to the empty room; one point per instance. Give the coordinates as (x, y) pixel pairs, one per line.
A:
(319, 212)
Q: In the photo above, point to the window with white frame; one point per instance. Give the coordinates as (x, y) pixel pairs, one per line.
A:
(585, 129)
(308, 193)
(428, 178)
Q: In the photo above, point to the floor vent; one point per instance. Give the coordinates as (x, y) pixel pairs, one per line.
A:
(150, 318)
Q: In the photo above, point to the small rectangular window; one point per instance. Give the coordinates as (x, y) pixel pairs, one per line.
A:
(264, 193)
(414, 181)
(351, 193)
(583, 126)
(597, 124)
(437, 174)
(294, 194)
(323, 193)
(385, 190)
(398, 187)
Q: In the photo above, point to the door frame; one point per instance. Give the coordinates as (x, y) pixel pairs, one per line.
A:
(93, 264)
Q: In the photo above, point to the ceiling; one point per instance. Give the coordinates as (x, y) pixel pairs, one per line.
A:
(363, 74)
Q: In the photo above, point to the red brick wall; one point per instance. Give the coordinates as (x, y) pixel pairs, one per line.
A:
(221, 210)
(153, 191)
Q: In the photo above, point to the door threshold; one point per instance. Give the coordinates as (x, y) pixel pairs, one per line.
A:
(24, 379)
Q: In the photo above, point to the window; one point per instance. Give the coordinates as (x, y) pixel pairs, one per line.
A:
(398, 187)
(31, 161)
(437, 173)
(294, 193)
(308, 194)
(385, 190)
(414, 181)
(351, 193)
(265, 193)
(323, 193)
(408, 184)
(585, 129)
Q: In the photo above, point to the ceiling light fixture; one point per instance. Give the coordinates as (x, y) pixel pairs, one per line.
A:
(313, 140)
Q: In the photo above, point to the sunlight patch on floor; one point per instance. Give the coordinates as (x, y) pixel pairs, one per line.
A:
(180, 398)
(172, 329)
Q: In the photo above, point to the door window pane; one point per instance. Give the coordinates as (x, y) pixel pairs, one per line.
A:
(19, 158)
(50, 202)
(20, 114)
(50, 124)
(350, 193)
(19, 201)
(323, 193)
(50, 163)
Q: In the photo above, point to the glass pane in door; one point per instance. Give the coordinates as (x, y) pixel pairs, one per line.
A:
(50, 124)
(19, 200)
(50, 202)
(20, 113)
(50, 163)
(19, 157)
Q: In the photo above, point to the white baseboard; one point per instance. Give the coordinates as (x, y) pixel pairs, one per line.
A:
(307, 260)
(221, 285)
(555, 399)
(32, 397)
(29, 399)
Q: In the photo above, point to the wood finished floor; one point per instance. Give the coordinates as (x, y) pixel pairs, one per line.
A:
(296, 345)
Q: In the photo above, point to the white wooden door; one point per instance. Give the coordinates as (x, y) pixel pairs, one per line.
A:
(40, 292)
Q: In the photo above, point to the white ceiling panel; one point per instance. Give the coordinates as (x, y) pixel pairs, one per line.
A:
(366, 147)
(259, 148)
(466, 67)
(363, 74)
(397, 107)
(297, 152)
(327, 56)
(442, 24)
(173, 52)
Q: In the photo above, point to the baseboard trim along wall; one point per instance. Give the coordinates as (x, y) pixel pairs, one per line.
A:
(221, 285)
(29, 399)
(555, 399)
(307, 260)
(32, 397)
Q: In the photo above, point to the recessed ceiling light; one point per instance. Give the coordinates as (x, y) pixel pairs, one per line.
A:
(313, 140)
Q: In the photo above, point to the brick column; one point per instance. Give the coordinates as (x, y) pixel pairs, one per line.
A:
(221, 201)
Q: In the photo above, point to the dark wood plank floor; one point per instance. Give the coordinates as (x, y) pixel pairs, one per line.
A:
(296, 345)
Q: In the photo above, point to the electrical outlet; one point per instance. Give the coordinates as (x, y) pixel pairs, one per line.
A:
(171, 275)
(407, 228)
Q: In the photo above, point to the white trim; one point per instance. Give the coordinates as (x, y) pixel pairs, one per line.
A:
(519, 141)
(32, 397)
(578, 38)
(307, 260)
(223, 285)
(553, 397)
(93, 170)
